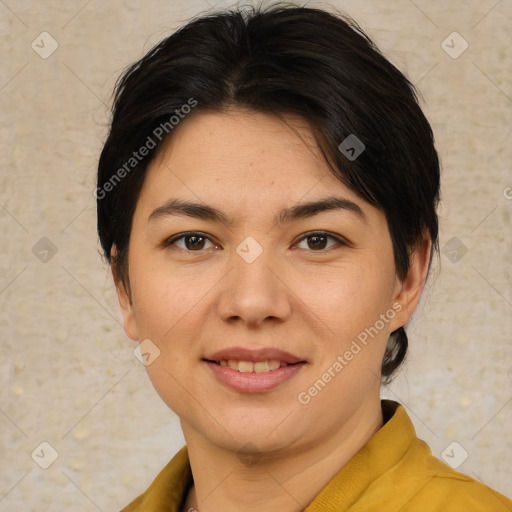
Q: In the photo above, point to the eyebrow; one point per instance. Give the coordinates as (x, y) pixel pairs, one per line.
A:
(296, 212)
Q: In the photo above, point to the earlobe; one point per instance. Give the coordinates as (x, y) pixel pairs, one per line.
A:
(410, 289)
(124, 297)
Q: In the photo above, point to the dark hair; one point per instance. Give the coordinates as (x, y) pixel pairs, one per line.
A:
(281, 60)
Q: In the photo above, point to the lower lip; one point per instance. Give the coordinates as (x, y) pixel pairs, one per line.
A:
(252, 382)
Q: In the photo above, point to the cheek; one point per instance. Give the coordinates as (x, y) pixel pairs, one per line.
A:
(167, 300)
(348, 299)
(166, 307)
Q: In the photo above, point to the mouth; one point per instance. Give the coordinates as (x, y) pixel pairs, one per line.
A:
(265, 366)
(253, 371)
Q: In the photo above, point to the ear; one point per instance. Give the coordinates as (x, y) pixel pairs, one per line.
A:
(408, 291)
(124, 297)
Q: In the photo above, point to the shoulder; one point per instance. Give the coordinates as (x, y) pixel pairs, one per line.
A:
(443, 489)
(443, 494)
(168, 489)
(417, 481)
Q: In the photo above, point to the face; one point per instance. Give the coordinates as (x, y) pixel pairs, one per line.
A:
(271, 317)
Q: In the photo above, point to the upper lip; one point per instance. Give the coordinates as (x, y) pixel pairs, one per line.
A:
(246, 354)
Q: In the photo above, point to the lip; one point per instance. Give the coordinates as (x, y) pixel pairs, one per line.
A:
(252, 382)
(245, 354)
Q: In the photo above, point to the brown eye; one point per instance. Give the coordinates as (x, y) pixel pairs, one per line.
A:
(319, 241)
(191, 242)
(194, 242)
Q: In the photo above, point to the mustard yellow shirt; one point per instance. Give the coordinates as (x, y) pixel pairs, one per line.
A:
(395, 471)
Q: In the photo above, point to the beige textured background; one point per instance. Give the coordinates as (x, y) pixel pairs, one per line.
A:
(67, 371)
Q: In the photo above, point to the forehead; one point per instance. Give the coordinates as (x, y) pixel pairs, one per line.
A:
(250, 154)
(247, 171)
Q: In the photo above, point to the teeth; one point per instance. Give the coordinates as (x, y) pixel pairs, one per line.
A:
(261, 366)
(257, 367)
(245, 366)
(274, 364)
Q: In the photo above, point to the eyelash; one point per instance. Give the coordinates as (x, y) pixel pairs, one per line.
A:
(341, 241)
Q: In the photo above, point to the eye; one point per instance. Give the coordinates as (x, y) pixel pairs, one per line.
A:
(191, 242)
(194, 241)
(318, 241)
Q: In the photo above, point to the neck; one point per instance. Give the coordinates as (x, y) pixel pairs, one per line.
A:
(287, 480)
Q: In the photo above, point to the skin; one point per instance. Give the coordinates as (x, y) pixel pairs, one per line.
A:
(309, 301)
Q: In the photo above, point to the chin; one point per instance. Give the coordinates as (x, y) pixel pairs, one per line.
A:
(269, 435)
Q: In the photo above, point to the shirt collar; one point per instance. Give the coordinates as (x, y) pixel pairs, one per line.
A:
(384, 450)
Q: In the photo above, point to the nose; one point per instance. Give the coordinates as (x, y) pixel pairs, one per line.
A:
(254, 293)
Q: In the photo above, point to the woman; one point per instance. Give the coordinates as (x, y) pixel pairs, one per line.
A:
(267, 200)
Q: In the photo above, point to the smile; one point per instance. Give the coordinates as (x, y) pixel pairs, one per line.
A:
(250, 370)
(253, 366)
(252, 376)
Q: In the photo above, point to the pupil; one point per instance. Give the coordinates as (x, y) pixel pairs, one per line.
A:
(197, 241)
(316, 239)
(318, 242)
